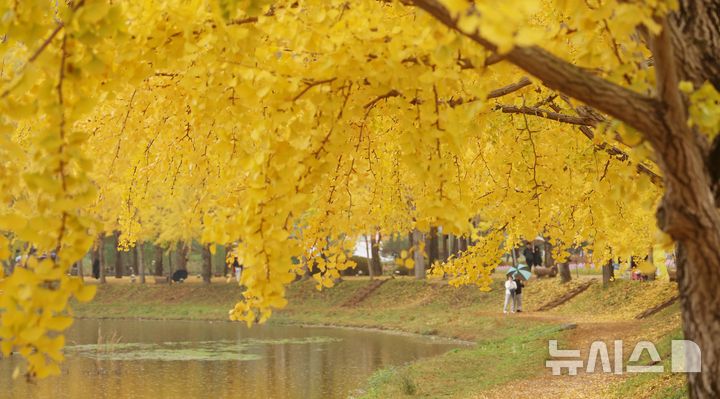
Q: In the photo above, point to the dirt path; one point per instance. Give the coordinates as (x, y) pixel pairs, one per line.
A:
(580, 335)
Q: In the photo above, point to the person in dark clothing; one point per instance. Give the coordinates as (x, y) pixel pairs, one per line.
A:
(96, 268)
(537, 256)
(179, 276)
(517, 299)
(237, 269)
(529, 257)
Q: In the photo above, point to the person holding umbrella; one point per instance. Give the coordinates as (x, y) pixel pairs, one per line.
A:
(510, 288)
(515, 275)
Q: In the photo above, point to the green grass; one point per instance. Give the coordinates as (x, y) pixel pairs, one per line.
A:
(517, 353)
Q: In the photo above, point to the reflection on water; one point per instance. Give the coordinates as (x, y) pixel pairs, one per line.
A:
(181, 359)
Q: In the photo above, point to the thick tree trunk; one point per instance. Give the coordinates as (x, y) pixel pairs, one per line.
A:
(183, 253)
(418, 256)
(607, 270)
(158, 260)
(118, 257)
(140, 261)
(375, 263)
(431, 246)
(207, 264)
(698, 284)
(565, 275)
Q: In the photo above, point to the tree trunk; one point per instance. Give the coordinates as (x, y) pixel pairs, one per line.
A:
(375, 264)
(118, 257)
(418, 256)
(444, 250)
(140, 261)
(158, 260)
(207, 264)
(607, 270)
(226, 268)
(101, 254)
(170, 261)
(95, 260)
(79, 269)
(565, 275)
(368, 256)
(431, 246)
(183, 253)
(463, 244)
(699, 302)
(134, 269)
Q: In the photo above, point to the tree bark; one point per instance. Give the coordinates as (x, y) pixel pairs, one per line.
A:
(418, 256)
(607, 273)
(564, 269)
(118, 257)
(170, 262)
(95, 257)
(183, 254)
(375, 264)
(207, 264)
(158, 260)
(101, 257)
(444, 250)
(140, 261)
(431, 246)
(226, 267)
(463, 244)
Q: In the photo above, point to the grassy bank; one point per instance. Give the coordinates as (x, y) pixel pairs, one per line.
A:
(510, 347)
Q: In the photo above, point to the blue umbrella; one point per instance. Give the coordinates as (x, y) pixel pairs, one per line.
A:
(521, 270)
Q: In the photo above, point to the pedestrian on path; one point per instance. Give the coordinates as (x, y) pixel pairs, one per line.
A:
(510, 288)
(517, 298)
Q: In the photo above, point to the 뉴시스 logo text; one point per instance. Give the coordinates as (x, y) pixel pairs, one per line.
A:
(684, 358)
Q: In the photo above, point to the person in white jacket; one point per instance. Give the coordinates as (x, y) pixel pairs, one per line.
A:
(510, 288)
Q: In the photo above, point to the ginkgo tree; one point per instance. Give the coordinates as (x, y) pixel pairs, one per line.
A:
(289, 128)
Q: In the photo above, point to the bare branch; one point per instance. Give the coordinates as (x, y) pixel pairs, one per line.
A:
(571, 119)
(503, 91)
(391, 93)
(309, 85)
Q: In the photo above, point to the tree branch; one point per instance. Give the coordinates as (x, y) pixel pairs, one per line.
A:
(626, 105)
(571, 119)
(503, 91)
(310, 84)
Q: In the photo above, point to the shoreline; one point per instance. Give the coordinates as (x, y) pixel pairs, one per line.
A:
(298, 323)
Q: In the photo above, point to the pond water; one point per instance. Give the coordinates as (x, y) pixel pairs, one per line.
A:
(183, 359)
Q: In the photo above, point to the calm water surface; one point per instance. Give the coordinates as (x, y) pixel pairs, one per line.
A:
(182, 359)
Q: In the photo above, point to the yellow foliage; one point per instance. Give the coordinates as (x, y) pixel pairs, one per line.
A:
(288, 129)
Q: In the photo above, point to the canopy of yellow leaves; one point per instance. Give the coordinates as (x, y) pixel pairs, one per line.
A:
(289, 128)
